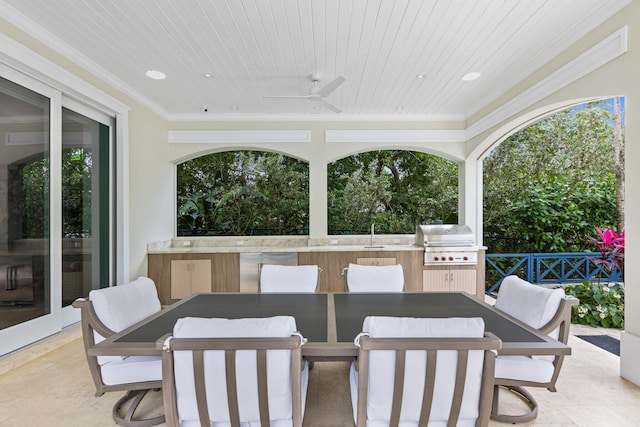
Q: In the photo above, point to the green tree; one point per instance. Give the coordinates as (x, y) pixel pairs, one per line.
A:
(548, 185)
(395, 189)
(243, 193)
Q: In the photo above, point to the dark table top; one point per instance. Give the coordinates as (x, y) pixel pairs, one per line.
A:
(330, 322)
(309, 310)
(351, 309)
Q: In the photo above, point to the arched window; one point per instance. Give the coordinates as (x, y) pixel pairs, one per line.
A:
(243, 193)
(395, 189)
(548, 186)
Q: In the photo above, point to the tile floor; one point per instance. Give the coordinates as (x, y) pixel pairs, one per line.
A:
(55, 389)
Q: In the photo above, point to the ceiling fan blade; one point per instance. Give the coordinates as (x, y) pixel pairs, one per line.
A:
(328, 105)
(330, 87)
(289, 96)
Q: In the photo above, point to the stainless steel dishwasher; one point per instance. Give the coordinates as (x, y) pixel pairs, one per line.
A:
(250, 264)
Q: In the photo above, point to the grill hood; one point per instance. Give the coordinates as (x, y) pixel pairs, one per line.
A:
(440, 235)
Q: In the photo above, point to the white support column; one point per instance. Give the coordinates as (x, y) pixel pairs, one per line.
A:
(630, 338)
(470, 193)
(318, 187)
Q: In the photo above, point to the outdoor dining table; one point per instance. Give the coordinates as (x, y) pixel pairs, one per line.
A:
(330, 321)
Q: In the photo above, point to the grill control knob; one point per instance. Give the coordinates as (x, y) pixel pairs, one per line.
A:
(435, 258)
(450, 258)
(466, 258)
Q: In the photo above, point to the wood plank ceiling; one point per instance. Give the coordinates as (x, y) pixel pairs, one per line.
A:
(257, 48)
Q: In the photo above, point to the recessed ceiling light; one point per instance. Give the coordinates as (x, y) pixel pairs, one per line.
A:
(207, 75)
(156, 75)
(317, 107)
(471, 76)
(234, 107)
(420, 76)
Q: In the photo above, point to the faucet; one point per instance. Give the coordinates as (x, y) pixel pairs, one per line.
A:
(371, 244)
(372, 233)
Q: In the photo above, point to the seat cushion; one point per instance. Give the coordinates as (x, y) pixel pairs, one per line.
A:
(132, 369)
(368, 278)
(533, 305)
(524, 368)
(381, 371)
(288, 278)
(278, 370)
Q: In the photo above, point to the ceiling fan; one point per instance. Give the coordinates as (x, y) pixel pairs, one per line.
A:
(317, 94)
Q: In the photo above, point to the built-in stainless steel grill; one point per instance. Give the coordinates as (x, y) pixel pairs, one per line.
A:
(437, 235)
(447, 244)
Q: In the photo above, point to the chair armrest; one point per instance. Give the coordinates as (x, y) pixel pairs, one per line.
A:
(563, 315)
(160, 341)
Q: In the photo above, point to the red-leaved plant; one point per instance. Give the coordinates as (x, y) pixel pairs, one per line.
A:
(610, 244)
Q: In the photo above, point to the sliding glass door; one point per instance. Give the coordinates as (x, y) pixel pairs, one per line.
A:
(56, 158)
(25, 280)
(86, 156)
(27, 288)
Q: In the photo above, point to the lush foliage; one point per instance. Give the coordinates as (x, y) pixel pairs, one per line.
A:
(243, 193)
(601, 305)
(395, 189)
(548, 184)
(35, 210)
(76, 195)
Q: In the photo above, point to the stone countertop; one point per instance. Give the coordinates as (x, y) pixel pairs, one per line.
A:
(263, 244)
(198, 249)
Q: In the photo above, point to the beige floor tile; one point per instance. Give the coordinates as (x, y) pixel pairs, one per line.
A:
(56, 390)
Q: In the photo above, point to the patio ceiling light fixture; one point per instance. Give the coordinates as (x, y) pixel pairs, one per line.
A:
(156, 75)
(471, 76)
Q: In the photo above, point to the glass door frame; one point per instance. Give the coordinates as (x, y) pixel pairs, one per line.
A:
(69, 314)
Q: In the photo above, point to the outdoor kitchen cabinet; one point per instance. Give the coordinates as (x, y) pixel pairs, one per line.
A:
(224, 273)
(190, 277)
(456, 278)
(333, 262)
(449, 280)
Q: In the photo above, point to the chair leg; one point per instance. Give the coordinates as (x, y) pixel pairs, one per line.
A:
(521, 393)
(135, 396)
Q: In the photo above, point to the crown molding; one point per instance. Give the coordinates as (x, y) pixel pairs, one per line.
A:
(208, 117)
(238, 136)
(20, 58)
(57, 45)
(394, 135)
(600, 54)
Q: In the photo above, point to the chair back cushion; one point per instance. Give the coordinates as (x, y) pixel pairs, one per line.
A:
(533, 305)
(119, 307)
(370, 278)
(381, 371)
(278, 370)
(288, 278)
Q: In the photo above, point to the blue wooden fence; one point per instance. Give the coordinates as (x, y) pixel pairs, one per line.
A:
(538, 268)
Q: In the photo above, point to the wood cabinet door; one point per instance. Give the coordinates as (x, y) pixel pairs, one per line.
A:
(449, 280)
(463, 280)
(189, 276)
(376, 261)
(436, 280)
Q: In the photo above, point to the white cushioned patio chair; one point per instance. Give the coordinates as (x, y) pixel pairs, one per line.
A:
(548, 311)
(374, 278)
(233, 372)
(418, 372)
(106, 312)
(289, 278)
